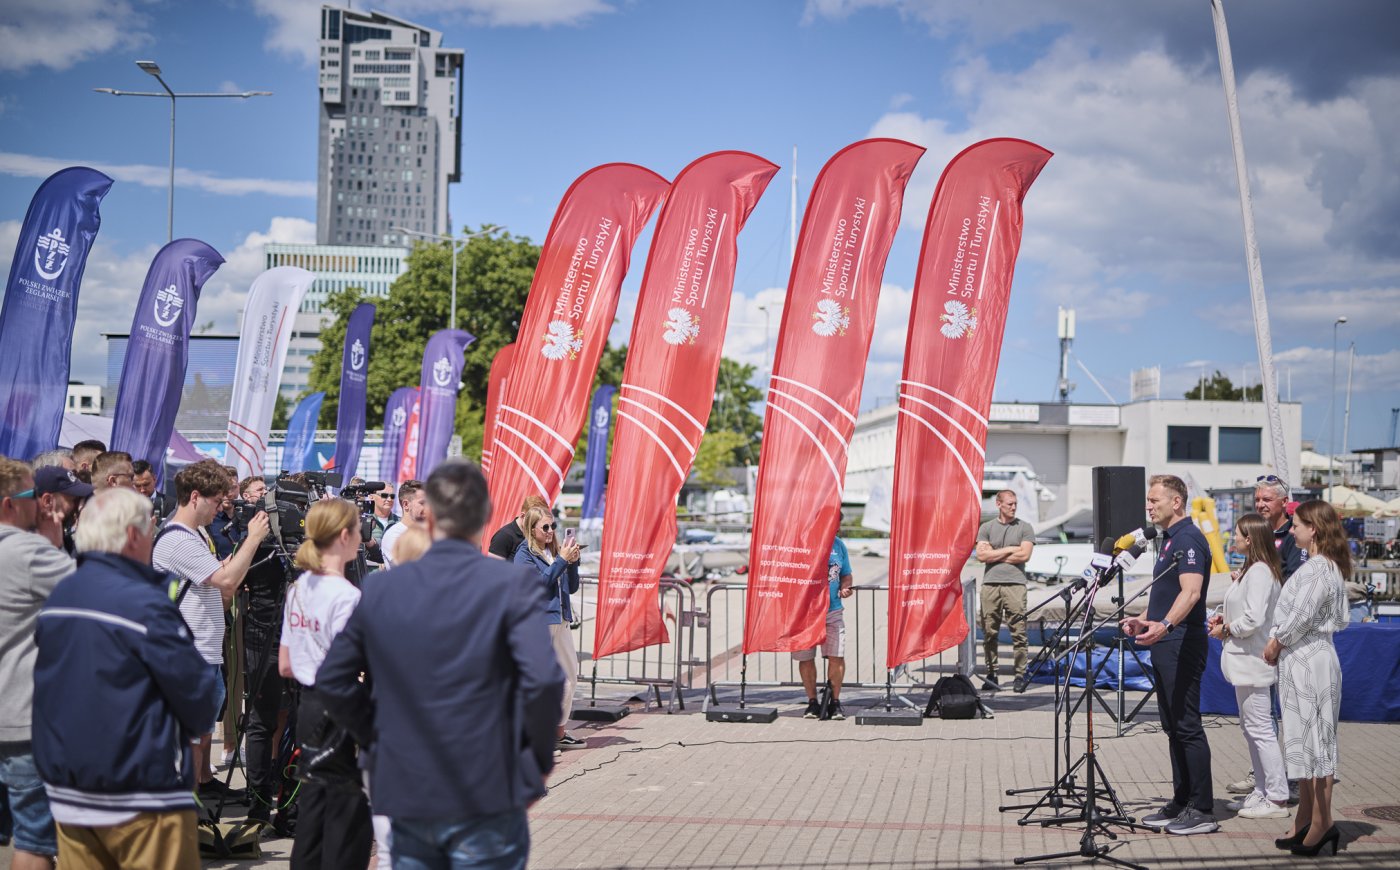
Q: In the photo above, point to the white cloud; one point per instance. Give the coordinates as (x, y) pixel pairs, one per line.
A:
(112, 284)
(295, 25)
(59, 33)
(752, 334)
(32, 166)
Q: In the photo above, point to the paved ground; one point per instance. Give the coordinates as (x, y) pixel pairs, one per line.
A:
(659, 790)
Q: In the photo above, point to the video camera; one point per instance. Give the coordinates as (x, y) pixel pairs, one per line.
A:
(286, 504)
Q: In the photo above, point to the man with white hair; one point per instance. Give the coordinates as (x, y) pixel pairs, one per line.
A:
(103, 739)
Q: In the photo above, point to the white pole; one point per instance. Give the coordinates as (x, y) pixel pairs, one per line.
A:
(1251, 248)
(792, 226)
(1346, 418)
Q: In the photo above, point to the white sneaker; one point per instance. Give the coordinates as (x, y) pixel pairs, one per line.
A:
(1243, 786)
(1263, 809)
(1240, 803)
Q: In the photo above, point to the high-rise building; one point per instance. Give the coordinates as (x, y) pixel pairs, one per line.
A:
(390, 128)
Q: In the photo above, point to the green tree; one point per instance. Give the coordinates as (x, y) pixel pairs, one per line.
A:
(1218, 388)
(281, 411)
(735, 396)
(493, 280)
(719, 452)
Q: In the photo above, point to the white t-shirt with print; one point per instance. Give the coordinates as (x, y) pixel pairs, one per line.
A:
(317, 608)
(189, 555)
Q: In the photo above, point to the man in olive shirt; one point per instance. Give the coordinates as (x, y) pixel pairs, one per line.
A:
(1004, 546)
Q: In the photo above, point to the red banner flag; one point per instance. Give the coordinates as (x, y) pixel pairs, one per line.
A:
(408, 461)
(668, 386)
(814, 393)
(564, 330)
(961, 295)
(495, 382)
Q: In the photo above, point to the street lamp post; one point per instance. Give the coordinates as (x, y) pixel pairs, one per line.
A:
(1332, 415)
(151, 68)
(452, 241)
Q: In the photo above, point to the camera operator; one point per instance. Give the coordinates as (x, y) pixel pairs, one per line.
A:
(263, 594)
(377, 523)
(184, 549)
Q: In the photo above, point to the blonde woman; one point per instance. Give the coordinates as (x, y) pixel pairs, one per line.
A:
(1311, 609)
(333, 823)
(558, 570)
(1243, 631)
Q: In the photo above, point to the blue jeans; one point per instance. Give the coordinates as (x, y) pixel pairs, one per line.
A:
(34, 829)
(499, 842)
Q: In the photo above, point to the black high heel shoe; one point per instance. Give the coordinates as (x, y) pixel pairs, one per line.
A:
(1295, 840)
(1332, 836)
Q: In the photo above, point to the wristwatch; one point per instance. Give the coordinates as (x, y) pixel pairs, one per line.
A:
(1168, 624)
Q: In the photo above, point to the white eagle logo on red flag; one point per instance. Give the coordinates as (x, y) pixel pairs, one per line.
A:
(681, 328)
(958, 321)
(561, 341)
(831, 319)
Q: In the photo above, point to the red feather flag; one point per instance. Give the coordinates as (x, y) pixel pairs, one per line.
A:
(823, 343)
(961, 295)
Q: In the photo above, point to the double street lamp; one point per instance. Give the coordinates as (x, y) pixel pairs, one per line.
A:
(452, 241)
(151, 68)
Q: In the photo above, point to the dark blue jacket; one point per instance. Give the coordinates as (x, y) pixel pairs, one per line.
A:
(467, 690)
(119, 690)
(553, 575)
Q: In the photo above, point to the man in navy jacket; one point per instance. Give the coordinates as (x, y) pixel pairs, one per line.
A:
(460, 731)
(119, 693)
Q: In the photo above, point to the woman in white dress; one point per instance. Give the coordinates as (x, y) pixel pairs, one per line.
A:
(1243, 631)
(1311, 609)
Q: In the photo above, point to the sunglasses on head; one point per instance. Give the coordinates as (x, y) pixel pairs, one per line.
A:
(1268, 478)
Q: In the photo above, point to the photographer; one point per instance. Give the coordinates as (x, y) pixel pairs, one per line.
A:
(333, 825)
(206, 584)
(380, 520)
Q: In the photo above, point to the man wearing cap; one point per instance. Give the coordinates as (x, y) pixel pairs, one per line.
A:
(60, 497)
(33, 565)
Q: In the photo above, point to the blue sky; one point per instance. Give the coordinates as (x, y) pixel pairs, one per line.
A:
(1135, 222)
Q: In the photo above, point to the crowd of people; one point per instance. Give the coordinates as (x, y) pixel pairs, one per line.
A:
(132, 624)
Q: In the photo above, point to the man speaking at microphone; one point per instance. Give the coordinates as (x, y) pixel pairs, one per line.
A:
(1175, 628)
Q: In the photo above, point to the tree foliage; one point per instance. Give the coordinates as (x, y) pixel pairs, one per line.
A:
(1219, 388)
(493, 280)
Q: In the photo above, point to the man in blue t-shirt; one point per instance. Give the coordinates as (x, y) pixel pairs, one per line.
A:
(838, 572)
(1174, 626)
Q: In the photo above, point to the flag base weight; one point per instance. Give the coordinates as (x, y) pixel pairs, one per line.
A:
(600, 712)
(889, 717)
(737, 713)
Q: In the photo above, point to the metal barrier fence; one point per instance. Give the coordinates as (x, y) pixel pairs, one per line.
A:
(670, 666)
(866, 612)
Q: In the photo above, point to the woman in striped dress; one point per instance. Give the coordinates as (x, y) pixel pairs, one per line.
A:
(1312, 607)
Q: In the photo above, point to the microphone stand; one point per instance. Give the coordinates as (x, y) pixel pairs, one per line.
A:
(1062, 792)
(1095, 821)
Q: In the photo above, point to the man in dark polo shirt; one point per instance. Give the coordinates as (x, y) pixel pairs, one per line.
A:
(1174, 626)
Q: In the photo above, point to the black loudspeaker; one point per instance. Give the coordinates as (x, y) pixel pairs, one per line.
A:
(1120, 499)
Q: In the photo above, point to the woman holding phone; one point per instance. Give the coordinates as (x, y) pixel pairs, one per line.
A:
(557, 568)
(1244, 630)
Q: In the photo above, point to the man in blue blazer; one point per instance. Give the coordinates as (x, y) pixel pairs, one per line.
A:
(459, 729)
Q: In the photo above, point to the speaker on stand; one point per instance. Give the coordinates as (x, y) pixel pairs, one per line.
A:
(1120, 506)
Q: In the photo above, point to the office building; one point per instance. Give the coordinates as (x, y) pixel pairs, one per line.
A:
(390, 128)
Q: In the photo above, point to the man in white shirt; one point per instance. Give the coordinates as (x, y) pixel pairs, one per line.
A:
(415, 511)
(206, 585)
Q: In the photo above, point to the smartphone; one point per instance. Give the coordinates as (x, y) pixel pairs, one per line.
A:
(568, 536)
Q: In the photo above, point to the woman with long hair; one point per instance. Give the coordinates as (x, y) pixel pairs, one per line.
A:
(557, 568)
(1311, 609)
(333, 822)
(1243, 631)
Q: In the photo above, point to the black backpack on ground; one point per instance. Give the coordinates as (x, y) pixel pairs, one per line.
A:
(953, 697)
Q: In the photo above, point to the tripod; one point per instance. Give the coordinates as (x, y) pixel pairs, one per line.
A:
(1064, 791)
(1097, 785)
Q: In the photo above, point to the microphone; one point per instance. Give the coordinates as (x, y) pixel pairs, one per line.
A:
(1135, 538)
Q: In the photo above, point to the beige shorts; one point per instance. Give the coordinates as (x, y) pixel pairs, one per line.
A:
(834, 645)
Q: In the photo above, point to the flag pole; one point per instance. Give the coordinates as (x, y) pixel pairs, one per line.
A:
(1260, 307)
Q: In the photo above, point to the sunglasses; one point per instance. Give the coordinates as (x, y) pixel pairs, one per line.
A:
(548, 527)
(385, 495)
(28, 493)
(1268, 478)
